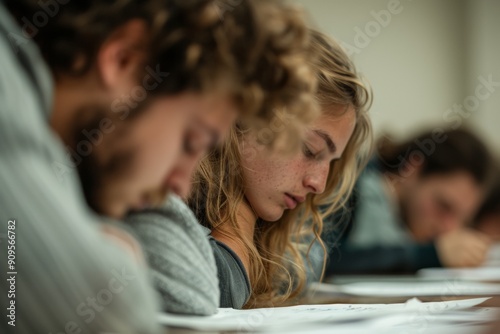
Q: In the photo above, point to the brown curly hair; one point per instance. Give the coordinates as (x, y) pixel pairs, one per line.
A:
(256, 50)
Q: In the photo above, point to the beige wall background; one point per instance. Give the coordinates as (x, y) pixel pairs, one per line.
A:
(428, 61)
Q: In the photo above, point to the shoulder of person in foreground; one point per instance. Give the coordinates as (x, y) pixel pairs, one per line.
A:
(70, 276)
(181, 260)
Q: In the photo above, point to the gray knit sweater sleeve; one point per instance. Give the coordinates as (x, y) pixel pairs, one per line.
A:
(181, 260)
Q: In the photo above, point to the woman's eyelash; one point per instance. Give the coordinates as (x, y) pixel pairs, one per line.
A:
(308, 153)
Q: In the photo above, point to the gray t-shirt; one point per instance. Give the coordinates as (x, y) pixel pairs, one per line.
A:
(233, 280)
(68, 277)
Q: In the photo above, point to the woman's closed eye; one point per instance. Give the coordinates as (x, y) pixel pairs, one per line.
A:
(314, 154)
(308, 153)
(317, 155)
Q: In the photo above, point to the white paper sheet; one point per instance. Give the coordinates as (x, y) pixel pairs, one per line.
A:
(363, 328)
(456, 322)
(445, 288)
(482, 274)
(297, 316)
(493, 259)
(472, 321)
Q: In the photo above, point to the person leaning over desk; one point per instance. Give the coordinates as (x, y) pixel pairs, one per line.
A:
(261, 204)
(69, 95)
(487, 219)
(410, 208)
(182, 261)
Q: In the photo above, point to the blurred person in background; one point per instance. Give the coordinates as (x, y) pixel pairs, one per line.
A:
(115, 90)
(487, 220)
(411, 206)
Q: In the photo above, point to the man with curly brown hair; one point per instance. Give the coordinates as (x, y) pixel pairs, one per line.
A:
(114, 92)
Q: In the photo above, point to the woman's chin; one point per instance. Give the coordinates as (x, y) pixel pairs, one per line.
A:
(272, 216)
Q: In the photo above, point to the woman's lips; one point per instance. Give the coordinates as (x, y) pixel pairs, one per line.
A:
(290, 202)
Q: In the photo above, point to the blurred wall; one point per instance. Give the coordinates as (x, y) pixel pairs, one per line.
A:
(483, 59)
(422, 58)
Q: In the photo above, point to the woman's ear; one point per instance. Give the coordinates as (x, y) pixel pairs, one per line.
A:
(120, 58)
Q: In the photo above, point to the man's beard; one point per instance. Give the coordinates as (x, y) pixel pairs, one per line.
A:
(109, 158)
(111, 161)
(93, 174)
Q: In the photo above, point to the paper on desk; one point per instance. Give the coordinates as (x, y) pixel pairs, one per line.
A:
(410, 289)
(468, 274)
(493, 259)
(490, 271)
(259, 319)
(454, 322)
(363, 328)
(471, 321)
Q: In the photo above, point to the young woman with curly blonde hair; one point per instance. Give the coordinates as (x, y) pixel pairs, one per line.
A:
(260, 201)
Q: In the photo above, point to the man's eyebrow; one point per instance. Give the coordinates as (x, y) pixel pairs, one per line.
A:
(328, 140)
